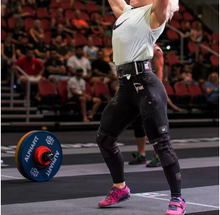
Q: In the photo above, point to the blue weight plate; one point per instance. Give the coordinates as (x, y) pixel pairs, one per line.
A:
(16, 155)
(26, 152)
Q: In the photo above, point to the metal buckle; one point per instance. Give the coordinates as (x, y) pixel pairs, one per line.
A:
(136, 68)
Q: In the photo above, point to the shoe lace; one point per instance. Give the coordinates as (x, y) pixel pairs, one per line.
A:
(174, 199)
(110, 196)
(137, 157)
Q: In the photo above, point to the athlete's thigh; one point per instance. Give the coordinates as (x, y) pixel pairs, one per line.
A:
(118, 114)
(153, 109)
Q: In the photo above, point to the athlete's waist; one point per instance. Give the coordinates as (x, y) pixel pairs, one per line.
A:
(134, 68)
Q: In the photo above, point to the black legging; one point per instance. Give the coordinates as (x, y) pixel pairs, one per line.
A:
(141, 94)
(138, 127)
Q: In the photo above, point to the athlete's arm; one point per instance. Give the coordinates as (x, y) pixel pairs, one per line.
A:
(158, 13)
(117, 6)
(158, 62)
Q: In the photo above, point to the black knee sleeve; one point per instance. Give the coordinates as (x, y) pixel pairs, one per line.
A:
(164, 149)
(107, 144)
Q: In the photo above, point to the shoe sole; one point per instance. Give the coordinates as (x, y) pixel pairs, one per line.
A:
(154, 166)
(182, 213)
(127, 197)
(144, 162)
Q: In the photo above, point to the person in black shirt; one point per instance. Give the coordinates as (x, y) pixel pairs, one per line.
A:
(22, 47)
(8, 56)
(55, 70)
(200, 71)
(101, 70)
(62, 51)
(59, 32)
(40, 49)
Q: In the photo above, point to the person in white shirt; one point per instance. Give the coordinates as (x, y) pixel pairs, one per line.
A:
(80, 61)
(76, 89)
(137, 28)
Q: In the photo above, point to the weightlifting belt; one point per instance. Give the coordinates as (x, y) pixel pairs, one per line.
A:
(134, 68)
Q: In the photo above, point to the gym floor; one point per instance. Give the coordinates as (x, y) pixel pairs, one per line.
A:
(83, 179)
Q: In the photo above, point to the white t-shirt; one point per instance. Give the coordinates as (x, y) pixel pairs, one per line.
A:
(133, 39)
(83, 62)
(79, 85)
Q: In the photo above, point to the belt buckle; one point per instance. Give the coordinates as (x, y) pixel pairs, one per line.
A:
(136, 68)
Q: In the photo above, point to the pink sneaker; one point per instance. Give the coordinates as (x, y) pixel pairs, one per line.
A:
(177, 206)
(115, 195)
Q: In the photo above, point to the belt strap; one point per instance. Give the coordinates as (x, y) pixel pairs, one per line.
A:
(134, 68)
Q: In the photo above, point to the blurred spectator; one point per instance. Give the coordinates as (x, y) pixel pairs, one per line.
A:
(18, 30)
(60, 19)
(200, 71)
(90, 51)
(196, 34)
(55, 70)
(187, 29)
(3, 8)
(96, 25)
(28, 2)
(76, 92)
(107, 50)
(59, 32)
(8, 57)
(14, 8)
(33, 67)
(186, 74)
(101, 69)
(79, 61)
(8, 50)
(40, 49)
(79, 24)
(72, 47)
(43, 3)
(35, 32)
(62, 51)
(212, 88)
(22, 47)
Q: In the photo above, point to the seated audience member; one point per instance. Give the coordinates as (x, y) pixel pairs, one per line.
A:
(101, 69)
(76, 92)
(18, 30)
(60, 19)
(79, 24)
(62, 51)
(22, 47)
(40, 49)
(59, 32)
(8, 50)
(78, 60)
(35, 32)
(72, 47)
(33, 67)
(212, 88)
(55, 70)
(8, 57)
(196, 34)
(14, 8)
(90, 51)
(96, 25)
(107, 50)
(200, 71)
(28, 2)
(43, 3)
(186, 74)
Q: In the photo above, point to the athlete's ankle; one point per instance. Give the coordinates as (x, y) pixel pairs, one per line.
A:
(120, 186)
